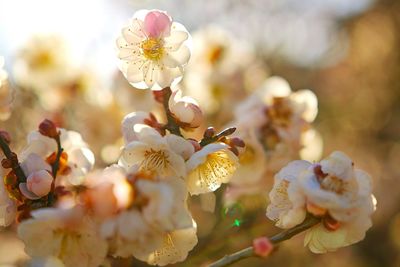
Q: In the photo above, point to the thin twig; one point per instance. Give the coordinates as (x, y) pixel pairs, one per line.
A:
(13, 159)
(208, 140)
(54, 169)
(56, 165)
(282, 236)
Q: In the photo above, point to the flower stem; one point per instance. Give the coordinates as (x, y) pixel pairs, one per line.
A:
(171, 125)
(208, 140)
(56, 165)
(280, 237)
(54, 169)
(13, 158)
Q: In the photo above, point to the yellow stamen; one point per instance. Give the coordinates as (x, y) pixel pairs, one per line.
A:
(153, 49)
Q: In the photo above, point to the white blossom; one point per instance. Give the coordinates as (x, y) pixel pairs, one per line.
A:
(77, 158)
(210, 167)
(153, 50)
(66, 234)
(164, 155)
(334, 191)
(185, 110)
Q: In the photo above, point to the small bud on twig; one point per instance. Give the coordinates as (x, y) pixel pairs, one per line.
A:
(210, 132)
(6, 136)
(7, 163)
(48, 128)
(262, 247)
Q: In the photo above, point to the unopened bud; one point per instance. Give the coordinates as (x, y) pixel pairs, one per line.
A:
(48, 128)
(210, 132)
(6, 136)
(6, 163)
(262, 247)
(236, 141)
(234, 150)
(228, 131)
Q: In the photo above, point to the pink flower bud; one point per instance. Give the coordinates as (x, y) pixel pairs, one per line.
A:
(262, 247)
(157, 24)
(39, 183)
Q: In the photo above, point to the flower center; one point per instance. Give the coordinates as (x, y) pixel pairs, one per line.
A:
(154, 160)
(333, 184)
(217, 168)
(42, 60)
(153, 48)
(280, 113)
(215, 54)
(63, 168)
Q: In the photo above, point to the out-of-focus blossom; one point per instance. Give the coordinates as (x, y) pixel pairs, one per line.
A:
(153, 50)
(129, 99)
(284, 208)
(218, 75)
(76, 159)
(275, 124)
(5, 93)
(63, 233)
(185, 110)
(43, 63)
(157, 215)
(210, 167)
(334, 191)
(155, 153)
(166, 203)
(108, 192)
(175, 247)
(46, 262)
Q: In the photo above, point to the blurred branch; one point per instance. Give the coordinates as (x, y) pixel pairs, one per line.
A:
(276, 239)
(13, 159)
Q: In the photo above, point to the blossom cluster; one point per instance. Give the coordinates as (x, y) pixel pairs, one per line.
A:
(137, 207)
(70, 212)
(275, 124)
(332, 190)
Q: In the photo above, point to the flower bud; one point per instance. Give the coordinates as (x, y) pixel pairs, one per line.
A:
(262, 247)
(185, 110)
(6, 136)
(236, 141)
(39, 183)
(210, 132)
(6, 163)
(48, 128)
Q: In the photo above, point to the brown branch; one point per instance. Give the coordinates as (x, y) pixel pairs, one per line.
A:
(12, 157)
(280, 237)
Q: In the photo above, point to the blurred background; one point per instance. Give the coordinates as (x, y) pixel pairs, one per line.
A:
(61, 64)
